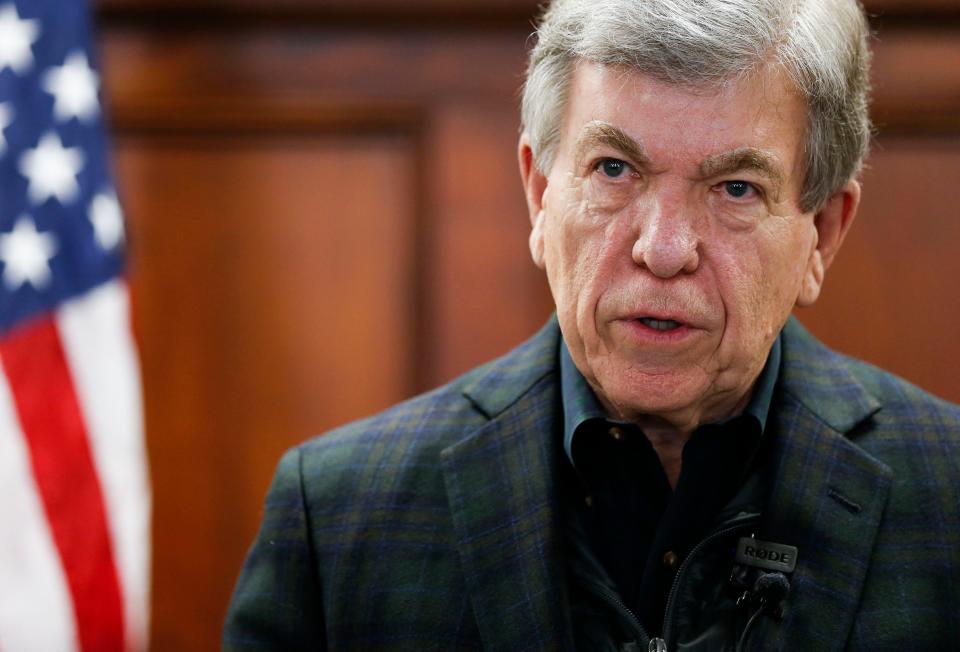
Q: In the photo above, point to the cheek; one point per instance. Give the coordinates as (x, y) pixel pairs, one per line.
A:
(760, 279)
(581, 258)
(574, 238)
(792, 259)
(571, 271)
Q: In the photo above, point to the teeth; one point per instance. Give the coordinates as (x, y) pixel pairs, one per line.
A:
(660, 324)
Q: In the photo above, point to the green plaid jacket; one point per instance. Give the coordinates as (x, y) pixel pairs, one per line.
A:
(434, 526)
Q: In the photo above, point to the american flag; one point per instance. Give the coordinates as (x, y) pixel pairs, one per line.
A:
(74, 499)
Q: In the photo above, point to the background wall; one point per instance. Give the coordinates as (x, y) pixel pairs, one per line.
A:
(325, 218)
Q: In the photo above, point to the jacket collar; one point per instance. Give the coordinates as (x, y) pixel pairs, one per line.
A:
(501, 383)
(502, 489)
(822, 381)
(827, 495)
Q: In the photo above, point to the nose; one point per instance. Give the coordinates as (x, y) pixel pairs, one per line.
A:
(667, 243)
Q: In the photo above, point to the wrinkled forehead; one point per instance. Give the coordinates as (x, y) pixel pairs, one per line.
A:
(761, 117)
(768, 81)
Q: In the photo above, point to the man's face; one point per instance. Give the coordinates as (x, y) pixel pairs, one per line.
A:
(670, 230)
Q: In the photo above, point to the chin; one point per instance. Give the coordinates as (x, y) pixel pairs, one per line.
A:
(655, 394)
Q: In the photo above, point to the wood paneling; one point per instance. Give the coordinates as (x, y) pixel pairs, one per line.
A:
(489, 296)
(891, 298)
(433, 8)
(278, 67)
(325, 217)
(916, 80)
(272, 295)
(323, 223)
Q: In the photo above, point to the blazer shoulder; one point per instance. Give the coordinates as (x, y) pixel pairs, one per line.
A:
(405, 434)
(916, 434)
(902, 400)
(404, 442)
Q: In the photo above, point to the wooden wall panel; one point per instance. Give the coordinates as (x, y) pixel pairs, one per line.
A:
(892, 297)
(255, 262)
(462, 9)
(490, 296)
(265, 123)
(325, 216)
(471, 203)
(916, 80)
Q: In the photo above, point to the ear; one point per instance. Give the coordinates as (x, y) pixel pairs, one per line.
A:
(534, 187)
(832, 222)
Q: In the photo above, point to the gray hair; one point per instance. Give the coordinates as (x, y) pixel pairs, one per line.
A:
(820, 44)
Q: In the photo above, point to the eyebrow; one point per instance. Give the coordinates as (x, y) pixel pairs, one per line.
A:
(598, 132)
(744, 158)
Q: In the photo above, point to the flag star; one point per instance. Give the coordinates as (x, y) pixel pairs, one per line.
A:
(74, 88)
(6, 117)
(107, 219)
(16, 37)
(51, 170)
(26, 255)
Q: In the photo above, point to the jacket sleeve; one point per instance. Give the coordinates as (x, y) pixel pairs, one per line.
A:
(277, 603)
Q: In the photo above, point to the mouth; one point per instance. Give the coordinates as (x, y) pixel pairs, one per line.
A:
(660, 324)
(660, 330)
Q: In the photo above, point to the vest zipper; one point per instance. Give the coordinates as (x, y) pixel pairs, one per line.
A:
(738, 523)
(656, 644)
(627, 612)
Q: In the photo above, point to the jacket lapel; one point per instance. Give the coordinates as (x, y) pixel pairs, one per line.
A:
(828, 494)
(500, 483)
(827, 498)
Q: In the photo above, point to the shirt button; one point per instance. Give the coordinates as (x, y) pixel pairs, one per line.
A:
(616, 432)
(670, 559)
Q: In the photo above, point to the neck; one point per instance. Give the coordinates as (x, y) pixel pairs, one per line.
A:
(669, 448)
(668, 434)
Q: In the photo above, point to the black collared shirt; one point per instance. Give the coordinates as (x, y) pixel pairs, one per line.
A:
(636, 526)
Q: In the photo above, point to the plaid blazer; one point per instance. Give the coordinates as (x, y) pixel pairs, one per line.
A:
(433, 525)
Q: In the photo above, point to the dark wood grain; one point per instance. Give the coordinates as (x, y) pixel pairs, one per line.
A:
(371, 9)
(325, 217)
(891, 298)
(917, 80)
(271, 292)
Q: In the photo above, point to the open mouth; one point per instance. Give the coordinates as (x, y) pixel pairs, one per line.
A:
(660, 324)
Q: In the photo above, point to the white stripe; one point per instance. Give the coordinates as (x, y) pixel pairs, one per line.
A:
(101, 356)
(36, 612)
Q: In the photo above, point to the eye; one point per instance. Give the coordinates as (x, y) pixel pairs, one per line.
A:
(738, 189)
(612, 168)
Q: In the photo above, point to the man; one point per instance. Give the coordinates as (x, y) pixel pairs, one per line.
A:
(673, 463)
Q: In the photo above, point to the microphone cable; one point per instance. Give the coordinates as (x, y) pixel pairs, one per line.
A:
(770, 589)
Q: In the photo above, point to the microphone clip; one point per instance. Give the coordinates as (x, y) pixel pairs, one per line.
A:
(760, 572)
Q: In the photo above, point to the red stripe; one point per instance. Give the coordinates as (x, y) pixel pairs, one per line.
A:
(49, 413)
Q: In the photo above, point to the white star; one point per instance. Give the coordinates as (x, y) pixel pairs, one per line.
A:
(107, 220)
(16, 37)
(6, 117)
(74, 88)
(26, 255)
(51, 170)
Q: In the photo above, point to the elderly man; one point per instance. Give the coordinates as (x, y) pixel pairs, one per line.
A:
(673, 463)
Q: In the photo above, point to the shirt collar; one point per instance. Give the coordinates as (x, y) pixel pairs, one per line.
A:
(580, 404)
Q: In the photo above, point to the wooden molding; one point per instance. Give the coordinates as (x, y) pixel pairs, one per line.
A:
(258, 114)
(390, 10)
(916, 82)
(268, 79)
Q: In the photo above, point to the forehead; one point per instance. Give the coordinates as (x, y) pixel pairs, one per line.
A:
(681, 124)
